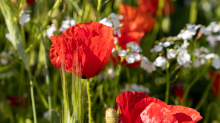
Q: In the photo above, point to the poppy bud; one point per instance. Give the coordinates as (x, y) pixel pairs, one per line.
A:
(111, 116)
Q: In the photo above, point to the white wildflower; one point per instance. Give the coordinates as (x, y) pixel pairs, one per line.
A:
(184, 59)
(51, 30)
(136, 87)
(122, 52)
(171, 54)
(111, 73)
(24, 17)
(209, 56)
(134, 47)
(66, 24)
(212, 39)
(166, 44)
(133, 57)
(147, 65)
(106, 22)
(4, 60)
(8, 36)
(46, 115)
(112, 21)
(216, 63)
(160, 62)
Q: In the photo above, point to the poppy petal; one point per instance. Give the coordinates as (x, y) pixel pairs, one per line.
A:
(135, 20)
(90, 43)
(126, 101)
(140, 106)
(185, 114)
(155, 113)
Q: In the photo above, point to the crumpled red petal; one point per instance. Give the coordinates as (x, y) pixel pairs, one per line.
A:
(185, 114)
(126, 101)
(140, 106)
(155, 113)
(90, 43)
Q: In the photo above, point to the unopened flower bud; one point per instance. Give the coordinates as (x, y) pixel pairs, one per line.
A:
(111, 116)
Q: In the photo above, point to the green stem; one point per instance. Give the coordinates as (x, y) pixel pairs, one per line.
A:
(193, 12)
(98, 9)
(32, 97)
(193, 82)
(128, 75)
(89, 100)
(168, 83)
(46, 67)
(23, 36)
(205, 94)
(208, 111)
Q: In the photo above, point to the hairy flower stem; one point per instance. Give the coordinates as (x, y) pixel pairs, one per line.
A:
(168, 83)
(89, 101)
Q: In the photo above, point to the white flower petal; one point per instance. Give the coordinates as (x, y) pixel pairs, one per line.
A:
(106, 22)
(134, 47)
(160, 62)
(158, 48)
(130, 58)
(196, 63)
(24, 19)
(166, 44)
(122, 52)
(4, 61)
(216, 63)
(183, 59)
(8, 36)
(209, 56)
(51, 30)
(171, 54)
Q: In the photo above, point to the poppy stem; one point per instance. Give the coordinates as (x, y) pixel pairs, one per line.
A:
(168, 83)
(98, 9)
(32, 97)
(89, 101)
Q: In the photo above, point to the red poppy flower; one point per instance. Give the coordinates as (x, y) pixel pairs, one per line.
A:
(178, 90)
(17, 101)
(134, 20)
(151, 6)
(138, 107)
(215, 87)
(30, 1)
(86, 45)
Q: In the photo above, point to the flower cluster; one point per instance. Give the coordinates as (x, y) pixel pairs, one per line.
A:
(169, 49)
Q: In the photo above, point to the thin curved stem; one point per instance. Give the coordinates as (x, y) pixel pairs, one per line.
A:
(193, 82)
(89, 101)
(168, 83)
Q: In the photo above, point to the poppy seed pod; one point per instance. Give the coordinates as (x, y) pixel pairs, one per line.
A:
(84, 48)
